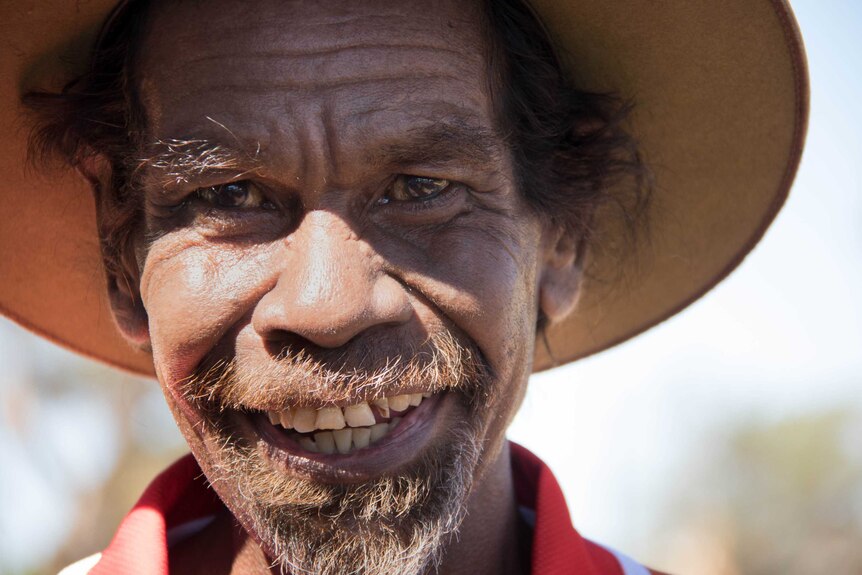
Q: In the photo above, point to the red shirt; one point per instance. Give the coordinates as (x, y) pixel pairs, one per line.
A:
(179, 502)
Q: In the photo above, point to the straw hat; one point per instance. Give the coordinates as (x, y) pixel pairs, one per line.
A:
(721, 93)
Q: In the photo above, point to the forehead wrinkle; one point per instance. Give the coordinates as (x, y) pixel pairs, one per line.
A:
(311, 29)
(252, 62)
(350, 63)
(330, 134)
(315, 152)
(318, 85)
(357, 107)
(321, 52)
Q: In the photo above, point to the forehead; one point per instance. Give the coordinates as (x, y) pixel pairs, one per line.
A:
(267, 67)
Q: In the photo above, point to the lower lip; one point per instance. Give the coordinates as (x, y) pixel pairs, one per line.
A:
(416, 431)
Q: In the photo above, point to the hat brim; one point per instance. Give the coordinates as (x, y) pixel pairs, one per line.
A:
(721, 103)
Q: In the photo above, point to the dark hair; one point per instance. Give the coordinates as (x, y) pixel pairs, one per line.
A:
(571, 152)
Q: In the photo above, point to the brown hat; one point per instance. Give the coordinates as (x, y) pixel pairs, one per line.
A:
(721, 93)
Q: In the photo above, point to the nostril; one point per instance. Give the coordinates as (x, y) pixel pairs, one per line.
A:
(375, 349)
(280, 344)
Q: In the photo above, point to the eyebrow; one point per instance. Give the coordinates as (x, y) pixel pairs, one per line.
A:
(176, 161)
(450, 142)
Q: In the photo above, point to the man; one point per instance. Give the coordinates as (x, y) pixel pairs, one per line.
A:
(343, 234)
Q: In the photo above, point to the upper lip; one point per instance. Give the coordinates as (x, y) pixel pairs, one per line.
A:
(316, 403)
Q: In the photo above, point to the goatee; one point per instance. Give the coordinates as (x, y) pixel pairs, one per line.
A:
(397, 523)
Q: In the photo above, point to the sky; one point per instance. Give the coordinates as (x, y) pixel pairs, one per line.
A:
(781, 336)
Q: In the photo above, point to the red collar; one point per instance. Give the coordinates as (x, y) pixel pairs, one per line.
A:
(180, 496)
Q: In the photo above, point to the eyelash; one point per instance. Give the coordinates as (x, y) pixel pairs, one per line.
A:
(250, 189)
(417, 205)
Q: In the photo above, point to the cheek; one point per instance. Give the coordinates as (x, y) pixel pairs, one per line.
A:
(193, 296)
(491, 274)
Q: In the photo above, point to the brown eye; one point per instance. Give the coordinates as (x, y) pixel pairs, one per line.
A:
(415, 188)
(234, 195)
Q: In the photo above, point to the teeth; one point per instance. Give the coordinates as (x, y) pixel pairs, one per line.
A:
(359, 415)
(382, 406)
(341, 430)
(308, 444)
(286, 418)
(361, 437)
(427, 394)
(304, 419)
(343, 439)
(378, 431)
(325, 442)
(399, 402)
(329, 418)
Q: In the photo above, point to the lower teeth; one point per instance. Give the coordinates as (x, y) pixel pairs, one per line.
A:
(345, 440)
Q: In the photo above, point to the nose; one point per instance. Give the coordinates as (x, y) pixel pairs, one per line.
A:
(330, 287)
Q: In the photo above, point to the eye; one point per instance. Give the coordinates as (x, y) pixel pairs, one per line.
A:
(414, 188)
(234, 195)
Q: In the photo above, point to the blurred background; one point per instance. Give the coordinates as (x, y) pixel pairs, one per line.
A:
(726, 441)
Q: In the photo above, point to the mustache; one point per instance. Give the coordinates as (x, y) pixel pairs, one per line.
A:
(301, 376)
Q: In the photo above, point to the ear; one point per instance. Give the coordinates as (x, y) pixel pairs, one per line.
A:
(129, 312)
(560, 282)
(127, 308)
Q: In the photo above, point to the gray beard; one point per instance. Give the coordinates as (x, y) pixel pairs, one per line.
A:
(393, 524)
(400, 524)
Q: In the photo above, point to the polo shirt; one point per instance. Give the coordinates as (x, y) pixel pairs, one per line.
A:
(179, 503)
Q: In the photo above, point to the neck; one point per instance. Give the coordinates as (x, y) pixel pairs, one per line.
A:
(488, 540)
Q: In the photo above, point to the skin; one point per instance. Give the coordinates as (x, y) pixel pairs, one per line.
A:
(322, 121)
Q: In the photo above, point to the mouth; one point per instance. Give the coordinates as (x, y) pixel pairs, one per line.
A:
(343, 430)
(358, 442)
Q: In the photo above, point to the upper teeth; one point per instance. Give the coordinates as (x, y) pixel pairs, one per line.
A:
(343, 429)
(360, 415)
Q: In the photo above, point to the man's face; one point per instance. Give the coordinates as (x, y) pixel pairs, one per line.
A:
(332, 220)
